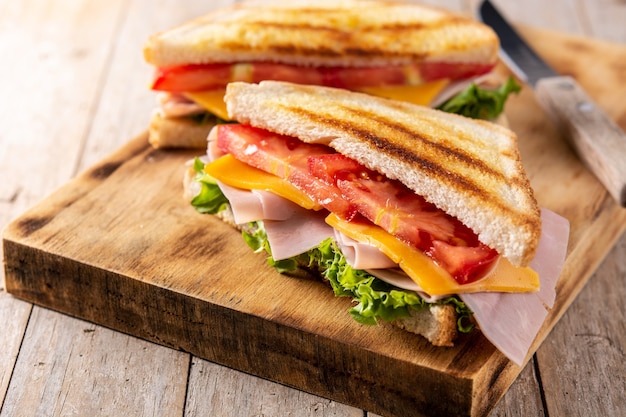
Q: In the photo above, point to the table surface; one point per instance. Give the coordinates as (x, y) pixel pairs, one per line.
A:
(75, 89)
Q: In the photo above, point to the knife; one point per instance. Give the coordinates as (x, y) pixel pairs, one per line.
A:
(598, 141)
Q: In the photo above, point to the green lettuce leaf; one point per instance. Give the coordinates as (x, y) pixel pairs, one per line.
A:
(207, 117)
(481, 103)
(254, 235)
(373, 298)
(210, 199)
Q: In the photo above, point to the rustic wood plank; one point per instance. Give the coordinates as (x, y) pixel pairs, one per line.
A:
(14, 316)
(603, 19)
(582, 364)
(70, 49)
(126, 103)
(42, 120)
(524, 397)
(77, 368)
(45, 122)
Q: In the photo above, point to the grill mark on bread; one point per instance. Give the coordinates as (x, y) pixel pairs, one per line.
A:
(434, 168)
(290, 49)
(350, 37)
(408, 155)
(354, 31)
(374, 33)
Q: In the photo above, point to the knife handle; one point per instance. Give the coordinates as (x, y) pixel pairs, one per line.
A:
(599, 142)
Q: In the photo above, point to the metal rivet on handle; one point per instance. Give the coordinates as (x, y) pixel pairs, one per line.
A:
(585, 106)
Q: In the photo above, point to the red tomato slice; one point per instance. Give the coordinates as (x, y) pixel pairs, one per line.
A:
(455, 71)
(348, 189)
(398, 210)
(465, 263)
(192, 78)
(333, 167)
(355, 78)
(285, 157)
(204, 77)
(300, 75)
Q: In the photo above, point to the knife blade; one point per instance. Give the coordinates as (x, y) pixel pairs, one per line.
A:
(598, 141)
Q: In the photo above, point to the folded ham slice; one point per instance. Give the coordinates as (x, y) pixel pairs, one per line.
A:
(520, 316)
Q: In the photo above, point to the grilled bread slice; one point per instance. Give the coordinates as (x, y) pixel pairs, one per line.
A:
(325, 33)
(319, 33)
(468, 168)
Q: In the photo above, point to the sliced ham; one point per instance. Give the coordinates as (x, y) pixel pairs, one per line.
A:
(489, 80)
(361, 255)
(291, 229)
(520, 316)
(177, 105)
(297, 234)
(255, 205)
(397, 277)
(551, 254)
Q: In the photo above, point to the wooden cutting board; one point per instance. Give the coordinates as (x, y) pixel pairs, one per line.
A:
(118, 246)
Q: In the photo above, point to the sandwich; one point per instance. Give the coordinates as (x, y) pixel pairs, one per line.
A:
(426, 219)
(397, 50)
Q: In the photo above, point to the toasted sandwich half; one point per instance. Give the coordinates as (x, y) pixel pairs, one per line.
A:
(423, 217)
(397, 50)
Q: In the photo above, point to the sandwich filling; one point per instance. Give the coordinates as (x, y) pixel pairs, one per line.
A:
(358, 195)
(434, 249)
(205, 77)
(307, 205)
(197, 91)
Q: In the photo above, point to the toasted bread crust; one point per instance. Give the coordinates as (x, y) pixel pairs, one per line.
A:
(178, 132)
(471, 169)
(436, 323)
(325, 33)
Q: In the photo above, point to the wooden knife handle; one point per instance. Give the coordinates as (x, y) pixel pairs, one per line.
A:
(599, 142)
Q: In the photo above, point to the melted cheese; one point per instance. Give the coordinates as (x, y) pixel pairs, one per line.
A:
(423, 94)
(238, 174)
(429, 276)
(212, 101)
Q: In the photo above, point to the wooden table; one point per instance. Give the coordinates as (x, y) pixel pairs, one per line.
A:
(74, 88)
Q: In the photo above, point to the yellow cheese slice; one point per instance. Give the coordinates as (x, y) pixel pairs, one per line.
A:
(212, 100)
(422, 94)
(238, 174)
(429, 276)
